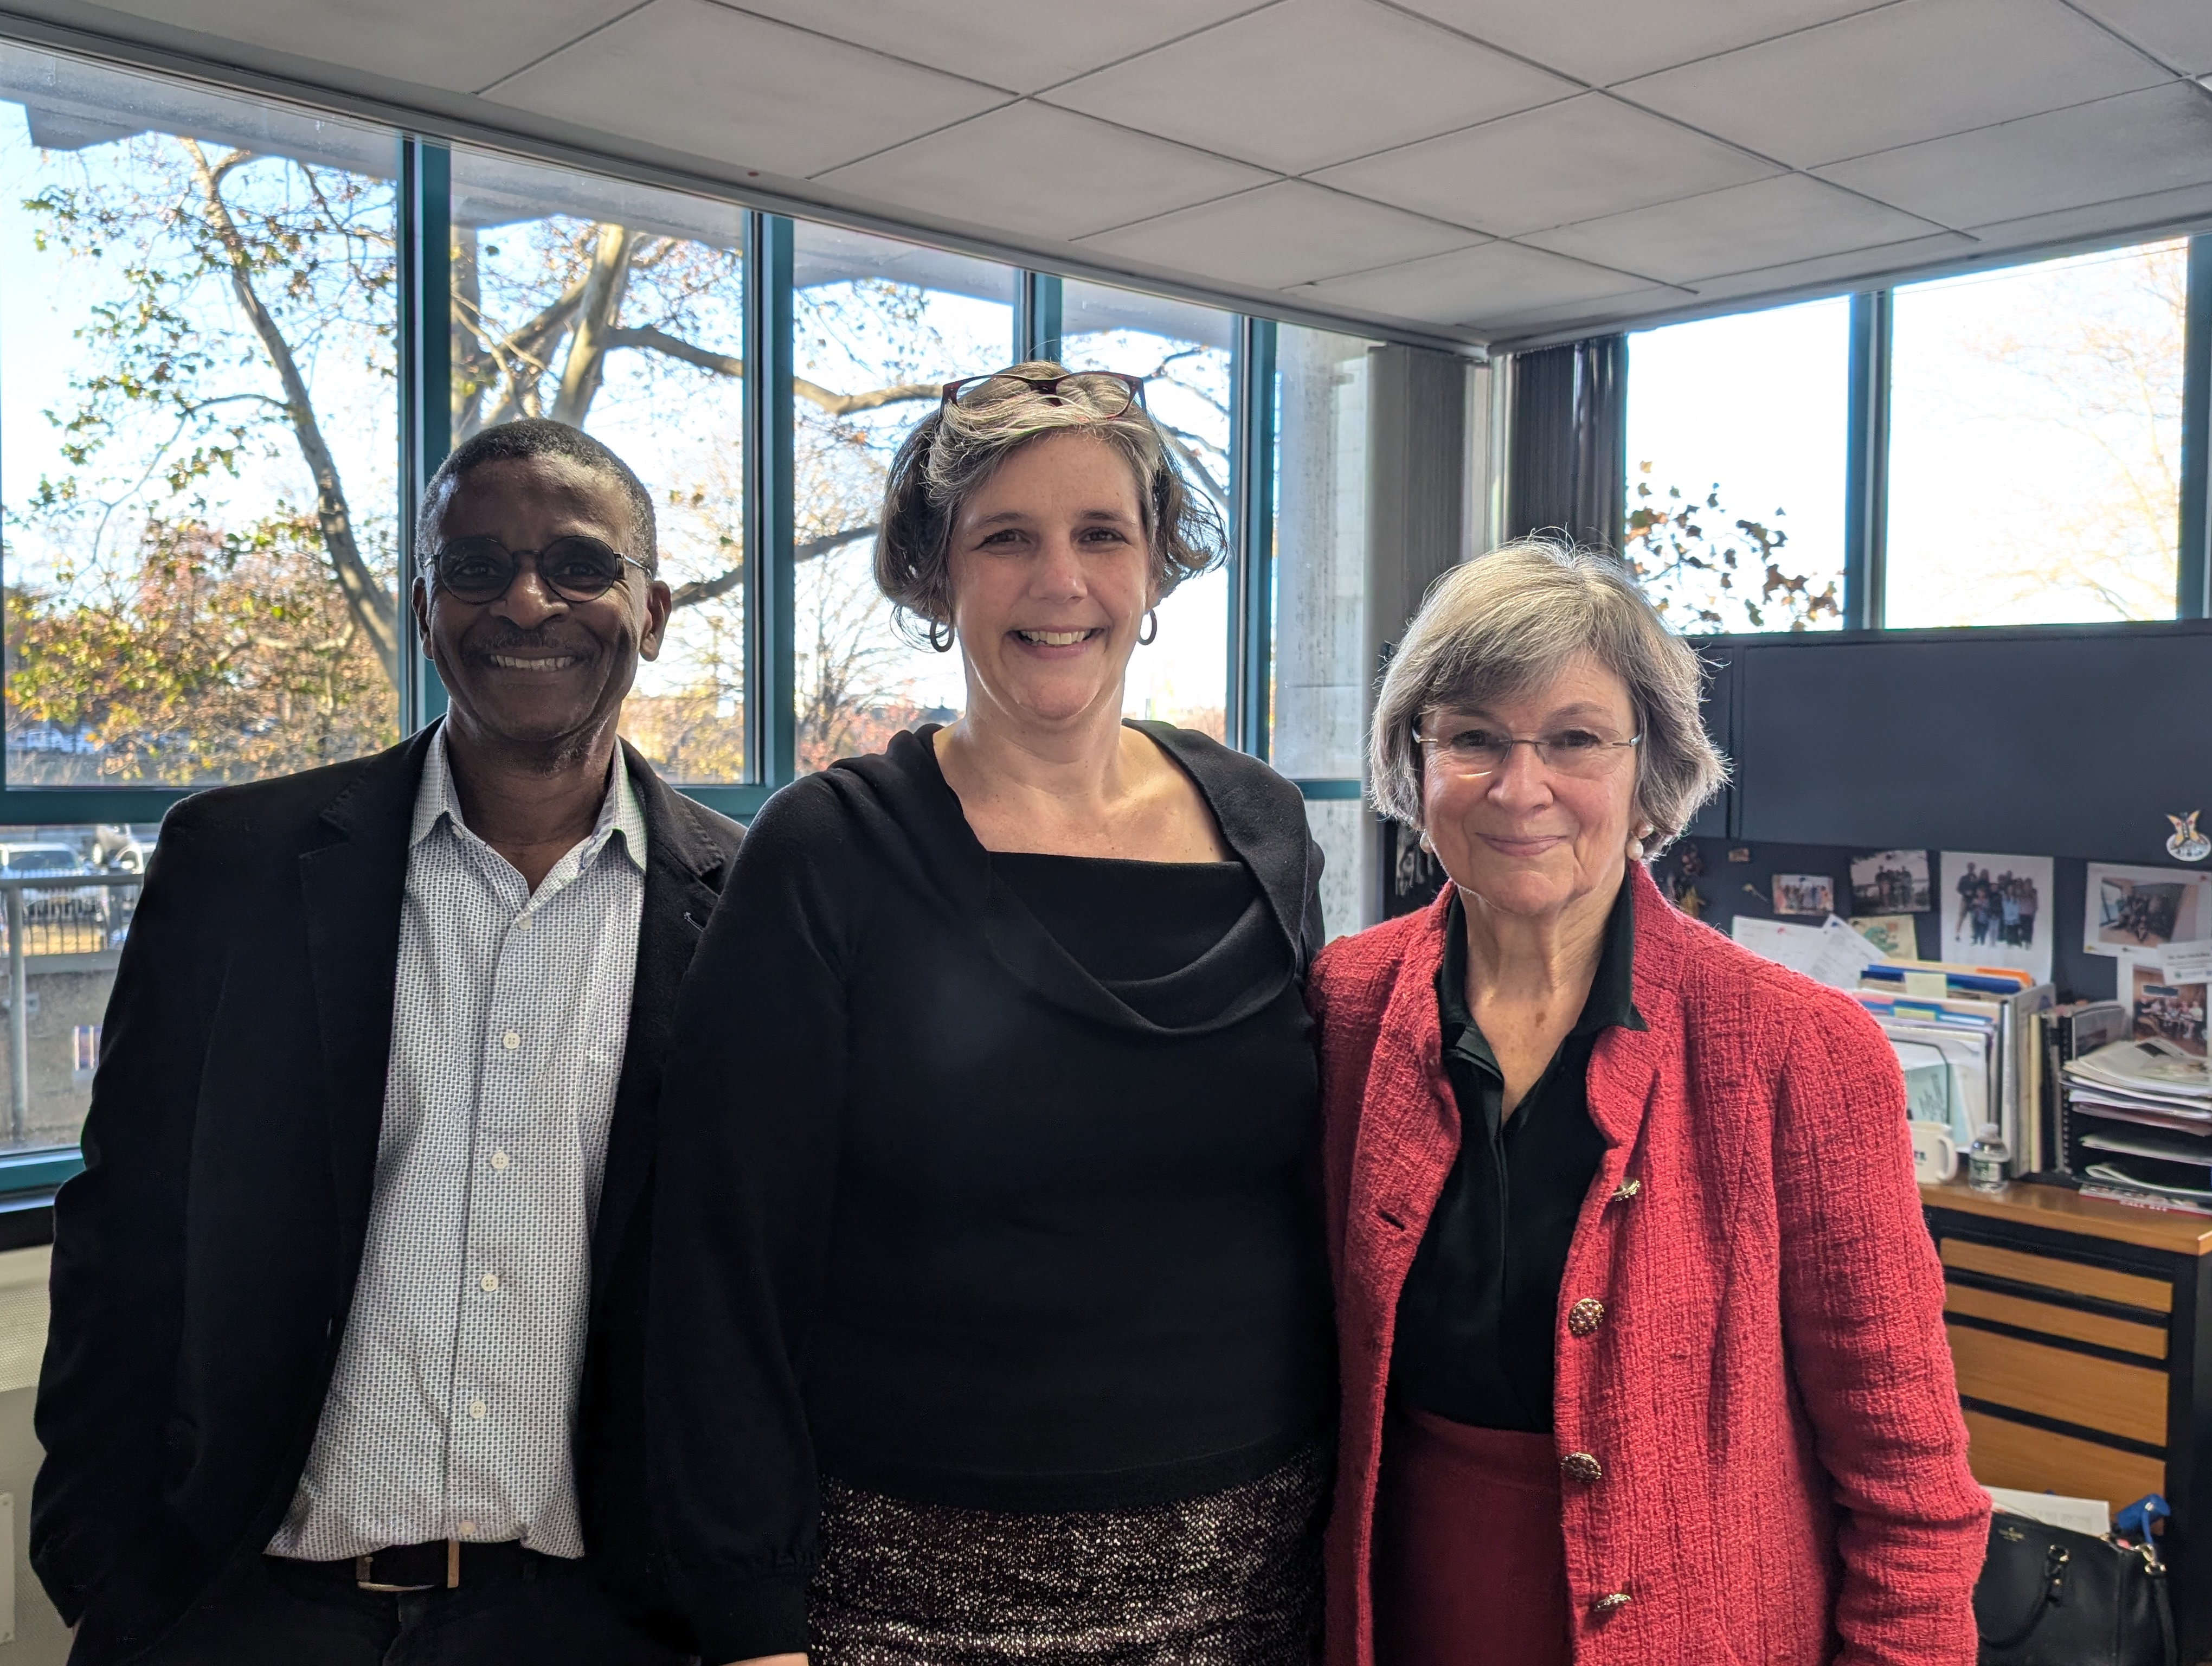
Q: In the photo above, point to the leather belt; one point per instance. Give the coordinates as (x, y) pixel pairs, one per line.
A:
(437, 1565)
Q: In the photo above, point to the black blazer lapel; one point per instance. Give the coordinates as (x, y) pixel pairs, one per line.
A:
(682, 880)
(353, 887)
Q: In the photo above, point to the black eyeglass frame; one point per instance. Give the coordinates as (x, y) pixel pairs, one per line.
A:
(437, 565)
(949, 393)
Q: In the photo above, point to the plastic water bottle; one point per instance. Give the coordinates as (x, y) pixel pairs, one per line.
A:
(1986, 1159)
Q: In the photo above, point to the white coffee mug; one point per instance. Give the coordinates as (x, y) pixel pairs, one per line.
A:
(1934, 1153)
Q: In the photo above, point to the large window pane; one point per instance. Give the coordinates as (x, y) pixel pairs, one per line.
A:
(78, 887)
(620, 309)
(2035, 442)
(198, 431)
(1737, 428)
(1184, 351)
(879, 326)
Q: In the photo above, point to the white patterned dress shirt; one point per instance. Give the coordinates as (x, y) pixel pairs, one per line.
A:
(451, 1411)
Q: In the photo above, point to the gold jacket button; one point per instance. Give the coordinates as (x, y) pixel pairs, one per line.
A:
(1585, 1316)
(1626, 1189)
(1583, 1468)
(1608, 1603)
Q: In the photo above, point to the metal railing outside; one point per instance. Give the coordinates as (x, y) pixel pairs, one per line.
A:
(54, 914)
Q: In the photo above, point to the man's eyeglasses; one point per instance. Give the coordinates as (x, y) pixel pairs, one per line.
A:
(1099, 393)
(1477, 751)
(576, 569)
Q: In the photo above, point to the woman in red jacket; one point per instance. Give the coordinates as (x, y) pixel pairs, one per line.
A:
(1641, 1331)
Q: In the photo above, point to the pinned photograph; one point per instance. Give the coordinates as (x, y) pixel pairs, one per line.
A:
(1996, 911)
(1804, 893)
(1892, 933)
(2144, 907)
(2163, 1011)
(1890, 882)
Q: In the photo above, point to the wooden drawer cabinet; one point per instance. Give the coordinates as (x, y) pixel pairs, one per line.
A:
(2081, 1333)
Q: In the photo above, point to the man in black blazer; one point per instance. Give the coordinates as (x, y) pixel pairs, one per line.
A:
(345, 1364)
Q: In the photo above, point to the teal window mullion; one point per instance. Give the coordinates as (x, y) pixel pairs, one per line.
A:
(426, 380)
(771, 464)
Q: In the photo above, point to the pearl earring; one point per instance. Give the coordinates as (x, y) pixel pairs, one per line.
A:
(1636, 844)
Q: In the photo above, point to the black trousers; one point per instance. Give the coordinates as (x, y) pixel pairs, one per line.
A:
(269, 1611)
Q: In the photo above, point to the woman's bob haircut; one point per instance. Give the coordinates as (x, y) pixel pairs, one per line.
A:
(1507, 623)
(959, 445)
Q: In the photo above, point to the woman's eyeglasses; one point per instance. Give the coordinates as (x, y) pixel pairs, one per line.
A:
(1100, 393)
(1477, 751)
(576, 569)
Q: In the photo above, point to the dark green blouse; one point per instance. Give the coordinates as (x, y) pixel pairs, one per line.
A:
(1476, 1316)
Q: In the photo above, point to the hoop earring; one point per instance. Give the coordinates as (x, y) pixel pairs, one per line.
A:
(942, 644)
(1149, 632)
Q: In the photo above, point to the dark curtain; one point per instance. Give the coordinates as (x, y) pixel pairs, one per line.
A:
(1568, 468)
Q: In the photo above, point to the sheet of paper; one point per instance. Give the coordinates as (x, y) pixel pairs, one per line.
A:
(2090, 1516)
(2187, 963)
(1830, 953)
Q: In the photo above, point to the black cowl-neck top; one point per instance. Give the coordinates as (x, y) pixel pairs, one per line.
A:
(987, 1180)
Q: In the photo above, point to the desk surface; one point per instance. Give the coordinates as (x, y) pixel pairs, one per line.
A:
(2059, 1210)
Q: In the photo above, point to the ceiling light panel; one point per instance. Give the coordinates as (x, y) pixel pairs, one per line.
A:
(464, 49)
(1281, 235)
(1914, 70)
(2118, 148)
(1576, 160)
(1040, 171)
(1478, 286)
(1307, 82)
(1019, 45)
(701, 78)
(1761, 224)
(1602, 41)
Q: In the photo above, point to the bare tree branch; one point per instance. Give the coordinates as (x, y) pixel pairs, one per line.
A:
(705, 590)
(605, 286)
(831, 404)
(371, 605)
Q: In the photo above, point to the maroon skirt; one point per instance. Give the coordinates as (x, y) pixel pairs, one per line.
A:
(1470, 1568)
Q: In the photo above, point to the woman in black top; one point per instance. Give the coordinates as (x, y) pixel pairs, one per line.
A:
(986, 1221)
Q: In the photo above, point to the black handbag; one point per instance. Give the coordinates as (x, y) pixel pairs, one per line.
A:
(2051, 1597)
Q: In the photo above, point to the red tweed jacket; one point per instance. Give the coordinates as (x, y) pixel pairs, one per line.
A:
(1767, 1389)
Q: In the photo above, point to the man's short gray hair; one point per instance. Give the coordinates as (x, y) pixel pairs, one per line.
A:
(1507, 623)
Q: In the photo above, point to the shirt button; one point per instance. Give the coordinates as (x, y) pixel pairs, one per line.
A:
(522, 922)
(1583, 1468)
(1609, 1602)
(499, 1159)
(468, 1527)
(477, 1409)
(489, 1282)
(510, 1041)
(1585, 1316)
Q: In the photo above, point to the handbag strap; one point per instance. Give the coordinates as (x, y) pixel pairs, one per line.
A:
(2055, 1558)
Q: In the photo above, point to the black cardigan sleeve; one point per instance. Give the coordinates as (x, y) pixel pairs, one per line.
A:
(750, 1123)
(117, 1276)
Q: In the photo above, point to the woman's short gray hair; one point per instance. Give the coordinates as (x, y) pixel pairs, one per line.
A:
(1507, 623)
(959, 445)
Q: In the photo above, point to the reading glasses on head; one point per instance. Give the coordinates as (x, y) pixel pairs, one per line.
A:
(577, 568)
(1577, 752)
(1104, 394)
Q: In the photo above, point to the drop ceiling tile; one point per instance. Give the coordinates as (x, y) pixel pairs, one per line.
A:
(1307, 82)
(1761, 224)
(1857, 269)
(464, 48)
(701, 78)
(1571, 160)
(1602, 41)
(1030, 169)
(1020, 45)
(2179, 31)
(1914, 70)
(2120, 147)
(1474, 286)
(2132, 218)
(1585, 317)
(1284, 233)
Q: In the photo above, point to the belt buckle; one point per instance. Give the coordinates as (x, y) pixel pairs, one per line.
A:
(365, 1566)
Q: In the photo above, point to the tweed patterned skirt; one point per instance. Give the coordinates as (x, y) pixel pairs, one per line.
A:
(1227, 1579)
